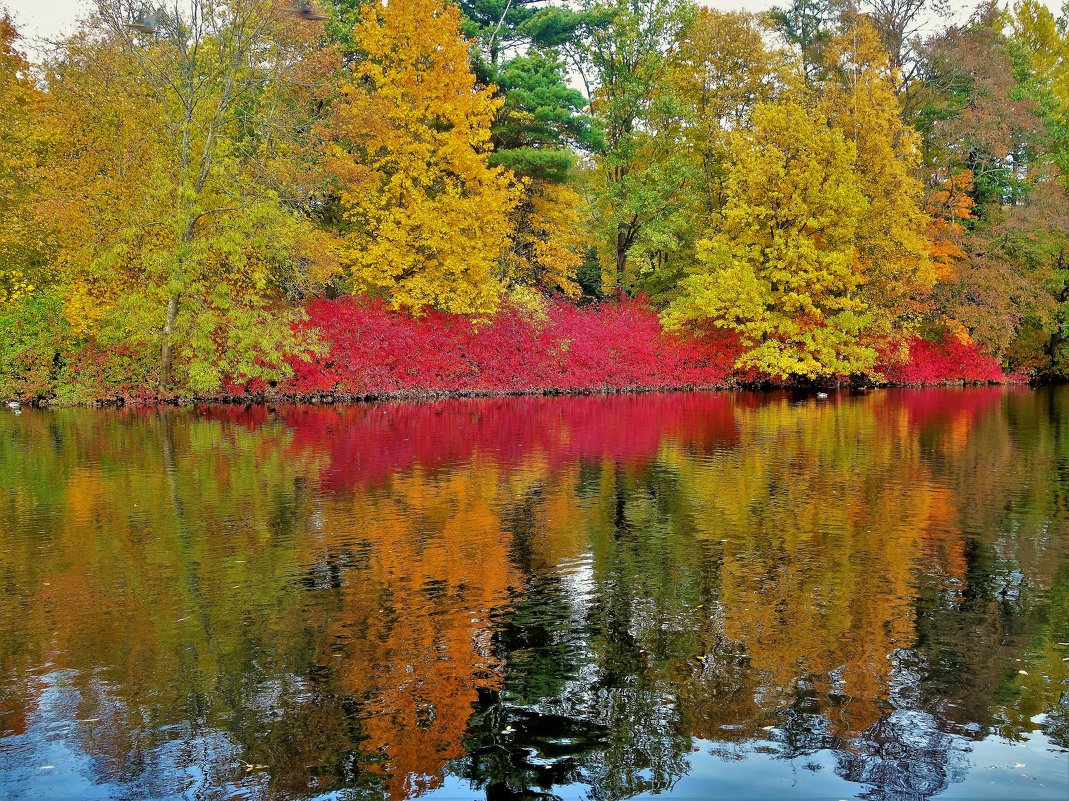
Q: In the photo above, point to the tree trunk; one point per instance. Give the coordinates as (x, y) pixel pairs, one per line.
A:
(166, 357)
(1056, 338)
(621, 256)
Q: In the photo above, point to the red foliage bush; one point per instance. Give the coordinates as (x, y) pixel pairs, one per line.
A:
(610, 346)
(372, 350)
(945, 362)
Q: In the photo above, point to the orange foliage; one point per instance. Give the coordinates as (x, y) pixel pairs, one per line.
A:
(416, 626)
(949, 207)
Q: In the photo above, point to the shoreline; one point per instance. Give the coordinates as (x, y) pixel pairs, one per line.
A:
(120, 401)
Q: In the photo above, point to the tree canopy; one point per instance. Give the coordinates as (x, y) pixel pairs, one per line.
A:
(825, 182)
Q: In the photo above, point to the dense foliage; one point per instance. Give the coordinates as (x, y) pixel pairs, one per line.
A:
(827, 189)
(608, 346)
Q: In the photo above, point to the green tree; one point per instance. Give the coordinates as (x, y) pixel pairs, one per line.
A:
(541, 123)
(518, 45)
(641, 177)
(497, 26)
(807, 25)
(1041, 44)
(538, 131)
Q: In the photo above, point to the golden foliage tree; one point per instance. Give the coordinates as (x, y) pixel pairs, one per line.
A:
(891, 241)
(1045, 39)
(549, 238)
(720, 70)
(427, 217)
(20, 148)
(781, 268)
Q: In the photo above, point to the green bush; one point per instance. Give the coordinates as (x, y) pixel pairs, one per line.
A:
(33, 337)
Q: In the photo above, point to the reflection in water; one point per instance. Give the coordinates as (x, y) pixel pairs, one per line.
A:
(524, 598)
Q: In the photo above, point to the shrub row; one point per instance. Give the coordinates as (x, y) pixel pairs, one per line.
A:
(613, 346)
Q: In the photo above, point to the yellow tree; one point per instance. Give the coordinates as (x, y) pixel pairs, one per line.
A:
(20, 150)
(720, 70)
(172, 239)
(781, 268)
(549, 239)
(408, 141)
(1045, 39)
(891, 240)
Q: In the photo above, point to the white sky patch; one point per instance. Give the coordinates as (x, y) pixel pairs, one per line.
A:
(40, 20)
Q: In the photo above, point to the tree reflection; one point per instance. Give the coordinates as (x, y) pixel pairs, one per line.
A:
(533, 594)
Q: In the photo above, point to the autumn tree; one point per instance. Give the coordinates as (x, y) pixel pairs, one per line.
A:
(893, 251)
(991, 129)
(781, 269)
(172, 240)
(549, 240)
(1011, 292)
(21, 153)
(1040, 235)
(949, 206)
(719, 71)
(971, 115)
(426, 216)
(1040, 42)
(32, 330)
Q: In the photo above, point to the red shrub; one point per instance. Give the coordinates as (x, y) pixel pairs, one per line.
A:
(374, 350)
(611, 346)
(945, 362)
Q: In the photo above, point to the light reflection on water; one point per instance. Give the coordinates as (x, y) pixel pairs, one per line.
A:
(707, 595)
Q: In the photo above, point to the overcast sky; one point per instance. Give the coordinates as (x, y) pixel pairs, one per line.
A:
(52, 18)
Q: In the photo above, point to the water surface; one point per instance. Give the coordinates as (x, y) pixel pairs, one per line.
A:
(694, 596)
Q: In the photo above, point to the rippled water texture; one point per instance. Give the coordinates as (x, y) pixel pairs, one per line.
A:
(706, 596)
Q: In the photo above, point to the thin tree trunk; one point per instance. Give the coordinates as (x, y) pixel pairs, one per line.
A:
(166, 357)
(1056, 338)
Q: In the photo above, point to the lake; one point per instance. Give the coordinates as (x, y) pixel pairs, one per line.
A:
(724, 595)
